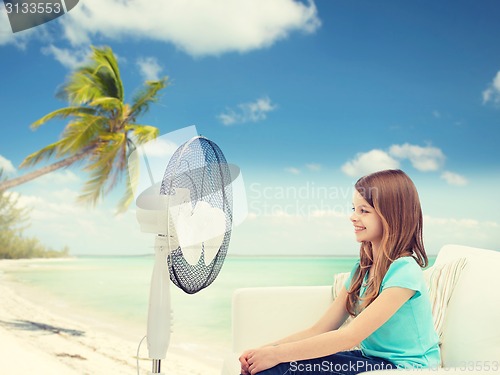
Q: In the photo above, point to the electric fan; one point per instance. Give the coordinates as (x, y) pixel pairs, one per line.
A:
(191, 211)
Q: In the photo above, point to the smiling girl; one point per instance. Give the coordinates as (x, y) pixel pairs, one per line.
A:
(385, 293)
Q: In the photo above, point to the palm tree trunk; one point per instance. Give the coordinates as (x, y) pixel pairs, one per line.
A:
(4, 185)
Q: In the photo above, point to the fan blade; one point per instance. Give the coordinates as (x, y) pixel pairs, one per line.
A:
(204, 227)
(179, 205)
(211, 248)
(191, 253)
(188, 227)
(214, 232)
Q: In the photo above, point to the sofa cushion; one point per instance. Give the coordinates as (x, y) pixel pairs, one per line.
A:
(441, 280)
(471, 332)
(266, 314)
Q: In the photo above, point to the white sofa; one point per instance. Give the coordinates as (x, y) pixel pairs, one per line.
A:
(471, 331)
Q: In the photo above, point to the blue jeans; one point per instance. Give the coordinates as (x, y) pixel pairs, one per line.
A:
(342, 363)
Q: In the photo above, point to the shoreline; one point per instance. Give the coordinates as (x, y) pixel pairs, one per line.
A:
(37, 335)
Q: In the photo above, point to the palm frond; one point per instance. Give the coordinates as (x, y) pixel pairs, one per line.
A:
(44, 153)
(105, 59)
(105, 169)
(82, 87)
(145, 97)
(63, 113)
(128, 195)
(132, 182)
(92, 189)
(81, 134)
(99, 78)
(142, 133)
(107, 103)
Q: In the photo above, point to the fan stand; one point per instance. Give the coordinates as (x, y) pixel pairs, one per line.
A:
(152, 217)
(159, 312)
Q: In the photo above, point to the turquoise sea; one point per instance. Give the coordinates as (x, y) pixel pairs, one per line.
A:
(117, 289)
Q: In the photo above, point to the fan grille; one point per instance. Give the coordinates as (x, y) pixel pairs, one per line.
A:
(200, 166)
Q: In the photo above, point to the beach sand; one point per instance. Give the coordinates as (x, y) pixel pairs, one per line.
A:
(42, 338)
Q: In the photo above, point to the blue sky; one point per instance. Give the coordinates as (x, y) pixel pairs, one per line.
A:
(305, 97)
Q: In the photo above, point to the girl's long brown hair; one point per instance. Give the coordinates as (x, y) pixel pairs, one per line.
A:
(395, 199)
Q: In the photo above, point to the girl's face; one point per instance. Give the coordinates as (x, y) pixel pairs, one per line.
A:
(367, 223)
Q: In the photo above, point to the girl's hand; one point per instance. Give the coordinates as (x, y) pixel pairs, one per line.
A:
(244, 363)
(260, 359)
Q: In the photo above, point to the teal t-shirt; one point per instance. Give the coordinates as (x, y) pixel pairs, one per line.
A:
(408, 339)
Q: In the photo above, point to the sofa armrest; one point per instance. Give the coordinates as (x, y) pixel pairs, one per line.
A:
(265, 314)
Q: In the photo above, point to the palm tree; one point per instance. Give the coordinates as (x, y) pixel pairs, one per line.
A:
(103, 129)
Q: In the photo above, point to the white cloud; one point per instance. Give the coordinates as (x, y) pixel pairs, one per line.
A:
(492, 93)
(45, 208)
(26, 201)
(149, 68)
(57, 178)
(63, 195)
(70, 59)
(199, 27)
(292, 170)
(454, 178)
(248, 112)
(369, 162)
(422, 158)
(7, 165)
(436, 114)
(313, 167)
